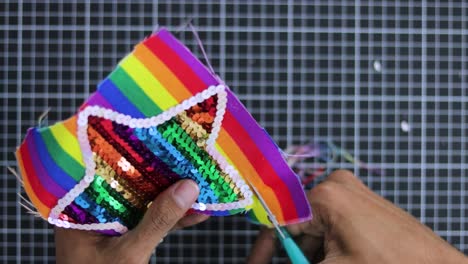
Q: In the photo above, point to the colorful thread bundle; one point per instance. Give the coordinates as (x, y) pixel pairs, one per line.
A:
(158, 117)
(315, 160)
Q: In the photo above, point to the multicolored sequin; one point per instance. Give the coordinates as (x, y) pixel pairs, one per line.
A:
(160, 116)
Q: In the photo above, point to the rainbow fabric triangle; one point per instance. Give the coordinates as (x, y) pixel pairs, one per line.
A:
(158, 117)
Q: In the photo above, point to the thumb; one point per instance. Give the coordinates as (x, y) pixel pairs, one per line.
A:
(170, 206)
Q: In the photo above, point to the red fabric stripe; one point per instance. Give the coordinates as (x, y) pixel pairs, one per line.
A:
(176, 64)
(250, 150)
(42, 194)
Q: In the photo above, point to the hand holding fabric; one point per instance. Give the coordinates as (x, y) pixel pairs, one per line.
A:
(166, 213)
(352, 224)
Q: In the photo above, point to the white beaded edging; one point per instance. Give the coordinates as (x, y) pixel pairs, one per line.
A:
(82, 134)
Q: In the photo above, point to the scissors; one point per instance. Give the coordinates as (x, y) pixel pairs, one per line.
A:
(294, 252)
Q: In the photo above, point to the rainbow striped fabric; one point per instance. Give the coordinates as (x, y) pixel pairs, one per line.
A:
(160, 116)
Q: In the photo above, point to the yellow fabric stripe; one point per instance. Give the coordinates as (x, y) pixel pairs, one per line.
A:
(148, 83)
(221, 151)
(257, 207)
(260, 212)
(68, 142)
(165, 75)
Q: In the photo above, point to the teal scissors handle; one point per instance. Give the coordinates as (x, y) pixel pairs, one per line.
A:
(295, 254)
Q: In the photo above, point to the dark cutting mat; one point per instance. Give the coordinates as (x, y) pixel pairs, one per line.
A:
(386, 80)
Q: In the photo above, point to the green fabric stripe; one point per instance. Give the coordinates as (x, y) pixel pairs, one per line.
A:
(134, 93)
(253, 217)
(236, 211)
(60, 156)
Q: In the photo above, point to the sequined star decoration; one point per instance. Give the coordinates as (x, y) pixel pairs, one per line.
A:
(160, 116)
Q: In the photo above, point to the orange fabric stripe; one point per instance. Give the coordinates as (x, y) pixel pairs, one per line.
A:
(162, 73)
(245, 168)
(41, 208)
(71, 125)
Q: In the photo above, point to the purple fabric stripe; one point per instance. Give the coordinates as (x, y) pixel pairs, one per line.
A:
(49, 184)
(270, 151)
(259, 135)
(57, 174)
(97, 99)
(185, 54)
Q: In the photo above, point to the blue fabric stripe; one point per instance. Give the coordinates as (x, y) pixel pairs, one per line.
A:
(117, 99)
(44, 176)
(55, 172)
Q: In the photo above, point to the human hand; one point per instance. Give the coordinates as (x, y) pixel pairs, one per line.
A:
(136, 246)
(352, 224)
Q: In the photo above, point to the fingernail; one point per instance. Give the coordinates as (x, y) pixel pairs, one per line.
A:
(186, 193)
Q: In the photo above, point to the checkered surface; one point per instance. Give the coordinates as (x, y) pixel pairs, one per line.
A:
(385, 80)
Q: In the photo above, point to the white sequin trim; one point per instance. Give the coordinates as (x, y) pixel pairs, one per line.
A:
(82, 121)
